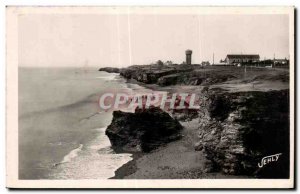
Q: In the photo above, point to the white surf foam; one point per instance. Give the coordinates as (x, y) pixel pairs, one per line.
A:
(101, 141)
(96, 161)
(72, 154)
(109, 77)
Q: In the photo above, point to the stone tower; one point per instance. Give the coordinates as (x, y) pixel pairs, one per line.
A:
(188, 54)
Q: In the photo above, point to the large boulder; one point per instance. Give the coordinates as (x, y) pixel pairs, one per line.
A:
(144, 130)
(237, 130)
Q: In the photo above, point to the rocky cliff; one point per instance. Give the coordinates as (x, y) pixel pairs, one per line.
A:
(238, 129)
(151, 75)
(144, 130)
(196, 75)
(183, 75)
(195, 78)
(238, 126)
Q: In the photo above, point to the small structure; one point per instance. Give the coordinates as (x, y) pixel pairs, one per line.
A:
(281, 62)
(205, 63)
(188, 54)
(233, 59)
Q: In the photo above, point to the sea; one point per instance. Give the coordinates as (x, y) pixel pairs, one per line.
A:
(62, 128)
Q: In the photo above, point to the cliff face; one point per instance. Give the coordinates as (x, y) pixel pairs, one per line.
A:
(238, 129)
(145, 75)
(152, 76)
(174, 76)
(195, 78)
(144, 130)
(196, 75)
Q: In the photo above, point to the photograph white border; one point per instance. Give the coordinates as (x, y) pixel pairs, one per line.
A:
(12, 13)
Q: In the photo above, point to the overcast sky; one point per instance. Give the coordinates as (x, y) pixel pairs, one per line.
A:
(122, 40)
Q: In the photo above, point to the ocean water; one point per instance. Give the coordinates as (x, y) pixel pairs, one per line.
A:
(62, 128)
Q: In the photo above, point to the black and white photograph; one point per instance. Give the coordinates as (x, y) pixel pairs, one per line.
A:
(150, 97)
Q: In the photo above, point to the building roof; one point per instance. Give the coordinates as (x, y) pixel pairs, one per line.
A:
(242, 56)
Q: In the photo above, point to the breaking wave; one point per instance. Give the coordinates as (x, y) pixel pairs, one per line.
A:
(71, 155)
(96, 161)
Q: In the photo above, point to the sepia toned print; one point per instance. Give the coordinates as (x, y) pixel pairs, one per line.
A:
(150, 97)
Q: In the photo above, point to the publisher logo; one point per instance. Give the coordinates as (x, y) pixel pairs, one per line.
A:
(268, 159)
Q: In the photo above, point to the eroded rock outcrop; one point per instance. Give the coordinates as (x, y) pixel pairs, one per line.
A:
(195, 78)
(110, 69)
(148, 75)
(144, 130)
(179, 74)
(238, 129)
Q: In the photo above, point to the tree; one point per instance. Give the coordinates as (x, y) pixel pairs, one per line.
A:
(168, 63)
(159, 63)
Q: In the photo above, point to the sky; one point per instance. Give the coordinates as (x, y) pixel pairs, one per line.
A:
(99, 40)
